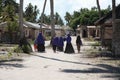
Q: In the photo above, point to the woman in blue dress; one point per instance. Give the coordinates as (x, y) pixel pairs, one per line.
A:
(69, 47)
(54, 43)
(40, 43)
(60, 44)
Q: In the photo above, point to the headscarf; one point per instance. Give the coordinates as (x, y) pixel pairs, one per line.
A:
(60, 42)
(68, 38)
(40, 39)
(55, 41)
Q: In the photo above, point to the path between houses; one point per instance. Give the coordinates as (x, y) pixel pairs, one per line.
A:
(58, 66)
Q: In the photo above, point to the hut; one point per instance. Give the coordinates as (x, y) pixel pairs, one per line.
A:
(105, 23)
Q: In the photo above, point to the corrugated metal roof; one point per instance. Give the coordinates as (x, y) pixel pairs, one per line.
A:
(91, 26)
(26, 24)
(34, 25)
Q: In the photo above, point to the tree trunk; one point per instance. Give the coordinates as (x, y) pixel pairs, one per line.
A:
(42, 15)
(99, 9)
(116, 38)
(101, 27)
(113, 26)
(116, 31)
(21, 19)
(23, 43)
(52, 18)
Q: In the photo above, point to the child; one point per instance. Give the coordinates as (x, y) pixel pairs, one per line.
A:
(35, 45)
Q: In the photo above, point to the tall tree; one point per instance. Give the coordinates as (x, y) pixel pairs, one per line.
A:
(35, 13)
(52, 18)
(100, 15)
(0, 7)
(8, 9)
(42, 15)
(99, 9)
(23, 43)
(8, 15)
(21, 19)
(31, 13)
(10, 2)
(76, 14)
(68, 17)
(58, 20)
(46, 19)
(116, 30)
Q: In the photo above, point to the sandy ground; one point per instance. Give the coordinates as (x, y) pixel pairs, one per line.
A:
(59, 66)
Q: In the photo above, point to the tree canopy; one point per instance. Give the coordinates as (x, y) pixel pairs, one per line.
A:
(84, 16)
(31, 13)
(57, 18)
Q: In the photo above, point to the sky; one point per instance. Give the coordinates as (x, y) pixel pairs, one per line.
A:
(63, 6)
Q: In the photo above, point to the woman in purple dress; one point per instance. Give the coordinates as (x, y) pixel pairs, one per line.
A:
(60, 44)
(54, 43)
(40, 43)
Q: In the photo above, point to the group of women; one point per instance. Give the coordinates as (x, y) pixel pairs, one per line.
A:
(58, 44)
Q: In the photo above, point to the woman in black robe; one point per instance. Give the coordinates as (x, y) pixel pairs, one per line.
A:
(78, 43)
(69, 47)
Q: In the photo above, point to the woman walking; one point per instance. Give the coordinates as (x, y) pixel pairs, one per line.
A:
(40, 43)
(69, 47)
(54, 43)
(78, 43)
(60, 44)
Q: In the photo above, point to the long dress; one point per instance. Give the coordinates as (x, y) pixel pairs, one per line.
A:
(54, 43)
(40, 43)
(69, 47)
(60, 44)
(78, 43)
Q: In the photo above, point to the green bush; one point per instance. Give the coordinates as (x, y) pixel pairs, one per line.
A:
(26, 48)
(18, 49)
(96, 44)
(23, 49)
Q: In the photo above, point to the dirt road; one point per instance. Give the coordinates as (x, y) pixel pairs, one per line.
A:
(59, 66)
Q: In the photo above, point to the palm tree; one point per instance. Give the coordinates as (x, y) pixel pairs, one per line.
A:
(8, 11)
(68, 18)
(99, 9)
(0, 7)
(52, 18)
(101, 27)
(31, 13)
(21, 19)
(115, 45)
(42, 16)
(24, 44)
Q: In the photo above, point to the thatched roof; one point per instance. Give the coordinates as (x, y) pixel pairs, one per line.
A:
(108, 16)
